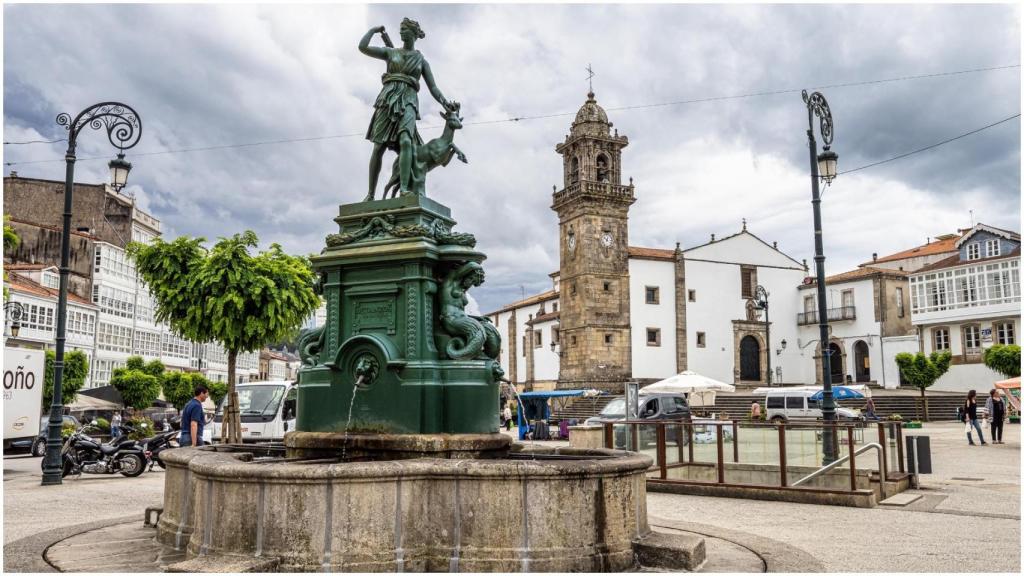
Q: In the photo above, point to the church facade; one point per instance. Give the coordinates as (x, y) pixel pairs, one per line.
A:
(617, 312)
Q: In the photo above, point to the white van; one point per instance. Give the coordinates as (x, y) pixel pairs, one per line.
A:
(267, 411)
(785, 405)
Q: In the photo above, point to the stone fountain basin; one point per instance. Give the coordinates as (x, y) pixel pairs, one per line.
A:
(539, 509)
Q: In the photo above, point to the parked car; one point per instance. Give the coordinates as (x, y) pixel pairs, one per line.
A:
(782, 406)
(653, 407)
(37, 446)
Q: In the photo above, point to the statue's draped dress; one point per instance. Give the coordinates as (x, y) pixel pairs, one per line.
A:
(397, 107)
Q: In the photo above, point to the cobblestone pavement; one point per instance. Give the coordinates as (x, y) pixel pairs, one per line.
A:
(968, 519)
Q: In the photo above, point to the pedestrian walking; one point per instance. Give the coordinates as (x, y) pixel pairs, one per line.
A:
(507, 414)
(193, 419)
(996, 414)
(115, 425)
(971, 418)
(755, 411)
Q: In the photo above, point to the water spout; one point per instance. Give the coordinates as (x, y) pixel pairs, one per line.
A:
(348, 423)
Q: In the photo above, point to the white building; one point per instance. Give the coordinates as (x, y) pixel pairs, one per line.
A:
(968, 302)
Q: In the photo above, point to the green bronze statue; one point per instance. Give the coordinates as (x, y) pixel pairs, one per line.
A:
(397, 108)
(471, 335)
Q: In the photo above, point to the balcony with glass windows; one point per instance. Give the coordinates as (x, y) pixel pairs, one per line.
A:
(834, 315)
(966, 293)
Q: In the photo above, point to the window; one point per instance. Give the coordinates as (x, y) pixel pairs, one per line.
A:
(748, 281)
(991, 248)
(81, 322)
(607, 286)
(116, 302)
(554, 307)
(654, 336)
(146, 343)
(524, 345)
(573, 291)
(51, 280)
(972, 340)
(691, 295)
(173, 345)
(973, 251)
(538, 339)
(673, 405)
(776, 402)
(794, 402)
(607, 338)
(114, 337)
(966, 287)
(554, 334)
(940, 339)
(900, 310)
(808, 303)
(112, 261)
(652, 294)
(847, 298)
(101, 371)
(37, 317)
(573, 340)
(1005, 333)
(701, 340)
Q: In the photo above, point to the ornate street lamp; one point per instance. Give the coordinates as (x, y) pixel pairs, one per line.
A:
(761, 297)
(17, 312)
(124, 128)
(823, 166)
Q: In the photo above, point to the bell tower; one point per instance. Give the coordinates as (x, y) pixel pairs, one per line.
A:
(593, 209)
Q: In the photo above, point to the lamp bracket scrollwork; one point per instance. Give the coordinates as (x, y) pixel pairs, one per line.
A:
(122, 123)
(817, 105)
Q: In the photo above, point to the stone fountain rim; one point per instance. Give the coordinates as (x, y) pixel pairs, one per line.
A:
(208, 462)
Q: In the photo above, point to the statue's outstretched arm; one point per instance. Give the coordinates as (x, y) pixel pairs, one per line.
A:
(373, 51)
(428, 77)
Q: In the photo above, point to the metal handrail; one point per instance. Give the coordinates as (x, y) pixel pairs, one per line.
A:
(872, 446)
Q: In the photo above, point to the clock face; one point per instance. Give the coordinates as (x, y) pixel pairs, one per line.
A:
(572, 242)
(606, 239)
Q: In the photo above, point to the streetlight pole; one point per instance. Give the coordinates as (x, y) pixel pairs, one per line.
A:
(762, 301)
(124, 127)
(818, 106)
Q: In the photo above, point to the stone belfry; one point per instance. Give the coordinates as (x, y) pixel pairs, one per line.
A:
(593, 209)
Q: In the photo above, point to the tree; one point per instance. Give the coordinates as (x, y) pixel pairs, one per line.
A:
(1003, 358)
(922, 371)
(76, 369)
(179, 387)
(139, 382)
(218, 390)
(227, 295)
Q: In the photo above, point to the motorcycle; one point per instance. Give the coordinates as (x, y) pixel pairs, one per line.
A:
(84, 454)
(152, 447)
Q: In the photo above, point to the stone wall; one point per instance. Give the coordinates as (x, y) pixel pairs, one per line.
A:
(107, 216)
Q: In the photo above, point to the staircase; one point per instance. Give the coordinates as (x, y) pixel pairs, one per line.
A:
(583, 408)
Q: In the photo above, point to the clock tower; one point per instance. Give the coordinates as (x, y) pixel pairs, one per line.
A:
(593, 209)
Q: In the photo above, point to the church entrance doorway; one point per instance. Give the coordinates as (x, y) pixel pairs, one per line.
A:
(750, 359)
(862, 361)
(836, 363)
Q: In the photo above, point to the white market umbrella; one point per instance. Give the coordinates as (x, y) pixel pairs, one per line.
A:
(698, 387)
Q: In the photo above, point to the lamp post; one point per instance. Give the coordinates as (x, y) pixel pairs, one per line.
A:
(823, 166)
(124, 127)
(762, 303)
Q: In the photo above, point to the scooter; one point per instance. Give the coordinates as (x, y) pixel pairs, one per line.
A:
(84, 454)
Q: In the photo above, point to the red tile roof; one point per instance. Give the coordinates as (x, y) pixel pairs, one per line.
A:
(544, 318)
(858, 274)
(651, 253)
(16, 266)
(535, 299)
(22, 284)
(929, 249)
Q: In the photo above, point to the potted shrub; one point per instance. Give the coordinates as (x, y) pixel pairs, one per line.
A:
(912, 424)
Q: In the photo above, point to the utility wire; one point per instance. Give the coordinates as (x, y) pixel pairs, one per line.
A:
(35, 142)
(542, 116)
(936, 145)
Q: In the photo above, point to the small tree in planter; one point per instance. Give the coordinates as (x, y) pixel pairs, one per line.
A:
(922, 371)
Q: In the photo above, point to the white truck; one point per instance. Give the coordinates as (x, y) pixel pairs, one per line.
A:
(23, 393)
(267, 411)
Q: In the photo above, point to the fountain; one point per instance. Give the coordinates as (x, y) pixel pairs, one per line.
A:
(396, 462)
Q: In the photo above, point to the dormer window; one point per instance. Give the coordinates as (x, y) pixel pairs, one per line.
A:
(973, 251)
(991, 248)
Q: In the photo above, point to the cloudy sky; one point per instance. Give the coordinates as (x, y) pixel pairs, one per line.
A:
(215, 75)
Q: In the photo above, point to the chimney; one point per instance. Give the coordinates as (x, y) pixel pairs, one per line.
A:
(929, 240)
(14, 173)
(874, 256)
(805, 264)
(775, 244)
(712, 237)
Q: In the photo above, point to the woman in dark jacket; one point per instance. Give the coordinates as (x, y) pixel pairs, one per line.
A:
(971, 415)
(996, 414)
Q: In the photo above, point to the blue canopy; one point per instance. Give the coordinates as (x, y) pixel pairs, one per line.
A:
(535, 406)
(838, 393)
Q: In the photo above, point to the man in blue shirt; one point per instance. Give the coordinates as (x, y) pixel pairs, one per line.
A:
(192, 418)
